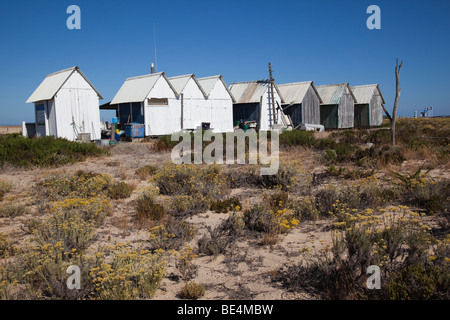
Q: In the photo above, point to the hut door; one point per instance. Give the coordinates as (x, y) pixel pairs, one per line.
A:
(361, 116)
(40, 120)
(329, 116)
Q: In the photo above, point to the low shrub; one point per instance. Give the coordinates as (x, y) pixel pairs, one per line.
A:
(124, 273)
(145, 172)
(79, 185)
(183, 205)
(147, 208)
(207, 181)
(243, 176)
(184, 263)
(224, 206)
(170, 235)
(222, 237)
(43, 272)
(71, 230)
(44, 152)
(288, 176)
(397, 241)
(5, 246)
(192, 290)
(164, 143)
(5, 187)
(421, 190)
(93, 209)
(260, 219)
(297, 138)
(13, 210)
(420, 282)
(119, 190)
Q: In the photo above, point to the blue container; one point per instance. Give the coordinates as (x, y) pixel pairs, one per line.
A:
(134, 130)
(115, 120)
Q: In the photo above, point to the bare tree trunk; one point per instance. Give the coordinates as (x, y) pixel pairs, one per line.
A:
(398, 90)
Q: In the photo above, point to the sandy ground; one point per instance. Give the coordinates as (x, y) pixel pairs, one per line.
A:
(245, 272)
(10, 129)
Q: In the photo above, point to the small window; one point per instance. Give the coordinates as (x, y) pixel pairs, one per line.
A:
(40, 115)
(158, 102)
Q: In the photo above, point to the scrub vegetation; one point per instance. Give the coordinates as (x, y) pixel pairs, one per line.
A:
(340, 202)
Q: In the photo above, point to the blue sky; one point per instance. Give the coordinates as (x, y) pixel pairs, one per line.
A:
(325, 41)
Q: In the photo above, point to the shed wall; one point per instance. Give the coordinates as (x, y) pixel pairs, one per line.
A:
(376, 111)
(77, 102)
(346, 110)
(163, 119)
(311, 107)
(221, 106)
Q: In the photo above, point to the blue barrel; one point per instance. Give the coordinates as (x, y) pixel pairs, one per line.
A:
(134, 130)
(115, 120)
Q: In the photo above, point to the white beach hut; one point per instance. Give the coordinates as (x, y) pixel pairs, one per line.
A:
(150, 100)
(66, 105)
(195, 109)
(220, 101)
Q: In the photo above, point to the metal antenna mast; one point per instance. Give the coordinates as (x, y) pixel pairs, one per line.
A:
(154, 41)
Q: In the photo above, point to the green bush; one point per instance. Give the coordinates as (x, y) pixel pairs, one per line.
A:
(297, 138)
(146, 208)
(287, 176)
(79, 185)
(119, 190)
(418, 282)
(184, 179)
(44, 152)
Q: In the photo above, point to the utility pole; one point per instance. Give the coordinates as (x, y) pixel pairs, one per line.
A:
(272, 93)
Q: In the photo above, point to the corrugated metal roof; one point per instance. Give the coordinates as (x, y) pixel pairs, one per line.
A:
(136, 89)
(251, 91)
(294, 93)
(179, 82)
(332, 93)
(363, 94)
(208, 83)
(53, 82)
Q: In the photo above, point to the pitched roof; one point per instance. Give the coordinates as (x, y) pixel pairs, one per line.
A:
(332, 93)
(251, 91)
(295, 92)
(208, 84)
(53, 82)
(136, 89)
(364, 94)
(180, 82)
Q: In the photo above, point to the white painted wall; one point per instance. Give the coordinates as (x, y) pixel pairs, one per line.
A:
(221, 106)
(77, 101)
(164, 119)
(196, 108)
